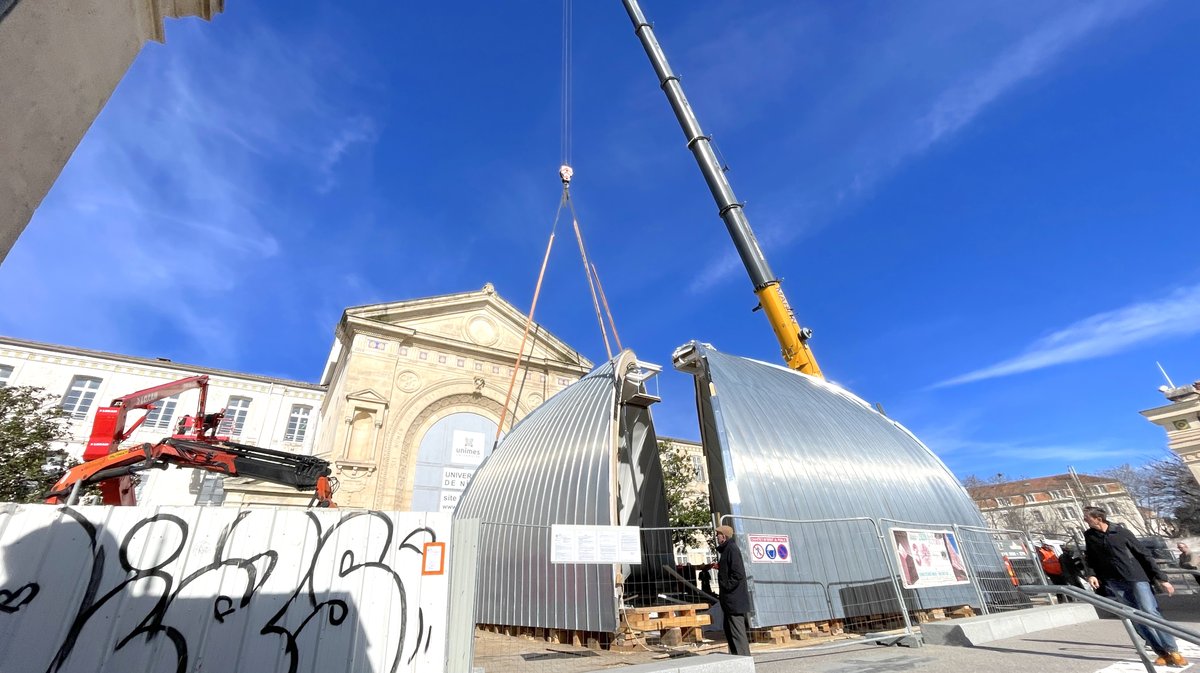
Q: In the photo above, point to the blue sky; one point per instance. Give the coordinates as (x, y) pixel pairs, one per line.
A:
(986, 211)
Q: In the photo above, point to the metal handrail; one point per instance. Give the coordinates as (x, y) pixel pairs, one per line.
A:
(1127, 614)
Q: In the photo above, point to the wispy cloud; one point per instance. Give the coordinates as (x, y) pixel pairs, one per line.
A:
(193, 180)
(906, 124)
(1175, 315)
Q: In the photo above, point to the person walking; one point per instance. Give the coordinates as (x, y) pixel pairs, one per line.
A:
(1187, 560)
(1116, 558)
(735, 598)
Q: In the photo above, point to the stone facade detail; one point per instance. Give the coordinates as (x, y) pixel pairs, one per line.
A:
(1181, 420)
(397, 369)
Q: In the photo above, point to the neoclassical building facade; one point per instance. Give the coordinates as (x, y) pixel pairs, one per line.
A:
(1180, 418)
(415, 391)
(406, 408)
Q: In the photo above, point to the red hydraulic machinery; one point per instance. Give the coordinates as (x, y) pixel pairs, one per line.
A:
(195, 444)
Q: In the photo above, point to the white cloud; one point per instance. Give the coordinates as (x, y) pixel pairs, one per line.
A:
(904, 124)
(188, 186)
(1175, 315)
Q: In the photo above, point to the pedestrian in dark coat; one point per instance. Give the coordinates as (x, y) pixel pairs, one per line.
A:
(735, 597)
(1116, 558)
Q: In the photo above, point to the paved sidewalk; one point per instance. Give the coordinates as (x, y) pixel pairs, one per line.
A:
(1100, 646)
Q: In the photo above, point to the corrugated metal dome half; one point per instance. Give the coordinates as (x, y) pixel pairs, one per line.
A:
(560, 465)
(783, 445)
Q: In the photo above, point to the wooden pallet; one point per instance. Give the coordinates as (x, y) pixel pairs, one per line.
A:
(589, 639)
(688, 618)
(805, 631)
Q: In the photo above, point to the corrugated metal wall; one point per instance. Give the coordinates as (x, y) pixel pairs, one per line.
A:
(556, 466)
(133, 589)
(783, 445)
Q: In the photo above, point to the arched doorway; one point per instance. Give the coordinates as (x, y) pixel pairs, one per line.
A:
(447, 457)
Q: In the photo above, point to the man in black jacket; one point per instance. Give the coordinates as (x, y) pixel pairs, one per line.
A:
(735, 598)
(1115, 557)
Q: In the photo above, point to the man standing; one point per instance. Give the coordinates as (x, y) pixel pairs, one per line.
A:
(1115, 557)
(735, 598)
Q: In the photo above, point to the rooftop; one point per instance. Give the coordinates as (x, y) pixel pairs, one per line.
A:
(1035, 485)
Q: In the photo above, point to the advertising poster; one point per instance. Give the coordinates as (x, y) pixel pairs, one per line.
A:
(770, 548)
(928, 558)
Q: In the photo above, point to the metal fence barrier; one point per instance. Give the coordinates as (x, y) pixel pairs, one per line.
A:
(843, 578)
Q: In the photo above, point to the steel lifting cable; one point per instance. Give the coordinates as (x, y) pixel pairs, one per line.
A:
(592, 280)
(512, 381)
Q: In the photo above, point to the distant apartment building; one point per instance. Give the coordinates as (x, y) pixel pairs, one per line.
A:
(1181, 420)
(1053, 506)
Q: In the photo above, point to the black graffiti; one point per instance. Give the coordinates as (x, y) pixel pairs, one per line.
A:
(304, 606)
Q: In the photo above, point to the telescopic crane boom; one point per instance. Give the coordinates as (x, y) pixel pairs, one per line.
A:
(793, 339)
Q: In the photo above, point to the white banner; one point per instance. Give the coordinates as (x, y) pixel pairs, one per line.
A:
(449, 501)
(928, 558)
(456, 478)
(595, 544)
(467, 447)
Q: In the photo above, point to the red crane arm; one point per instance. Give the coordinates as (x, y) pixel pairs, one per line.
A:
(108, 430)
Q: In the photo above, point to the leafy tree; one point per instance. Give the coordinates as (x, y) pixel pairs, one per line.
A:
(686, 508)
(30, 423)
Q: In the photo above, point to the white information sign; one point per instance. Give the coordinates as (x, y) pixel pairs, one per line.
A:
(770, 548)
(467, 447)
(450, 500)
(456, 477)
(595, 544)
(928, 558)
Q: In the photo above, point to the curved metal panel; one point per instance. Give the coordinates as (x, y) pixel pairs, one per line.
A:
(784, 445)
(554, 467)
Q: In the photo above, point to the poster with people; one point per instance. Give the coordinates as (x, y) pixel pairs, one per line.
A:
(928, 558)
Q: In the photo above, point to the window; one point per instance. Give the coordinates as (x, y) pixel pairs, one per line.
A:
(235, 416)
(1003, 502)
(297, 423)
(698, 468)
(1099, 489)
(375, 344)
(1067, 512)
(1058, 494)
(5, 373)
(1038, 516)
(79, 396)
(160, 416)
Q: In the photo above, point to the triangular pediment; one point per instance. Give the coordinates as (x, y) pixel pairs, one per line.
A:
(481, 319)
(367, 395)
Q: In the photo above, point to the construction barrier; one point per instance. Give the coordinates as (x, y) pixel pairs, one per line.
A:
(120, 589)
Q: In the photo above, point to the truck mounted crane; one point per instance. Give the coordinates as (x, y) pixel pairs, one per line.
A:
(195, 444)
(793, 339)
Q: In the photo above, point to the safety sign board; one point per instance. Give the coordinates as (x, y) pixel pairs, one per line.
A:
(770, 548)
